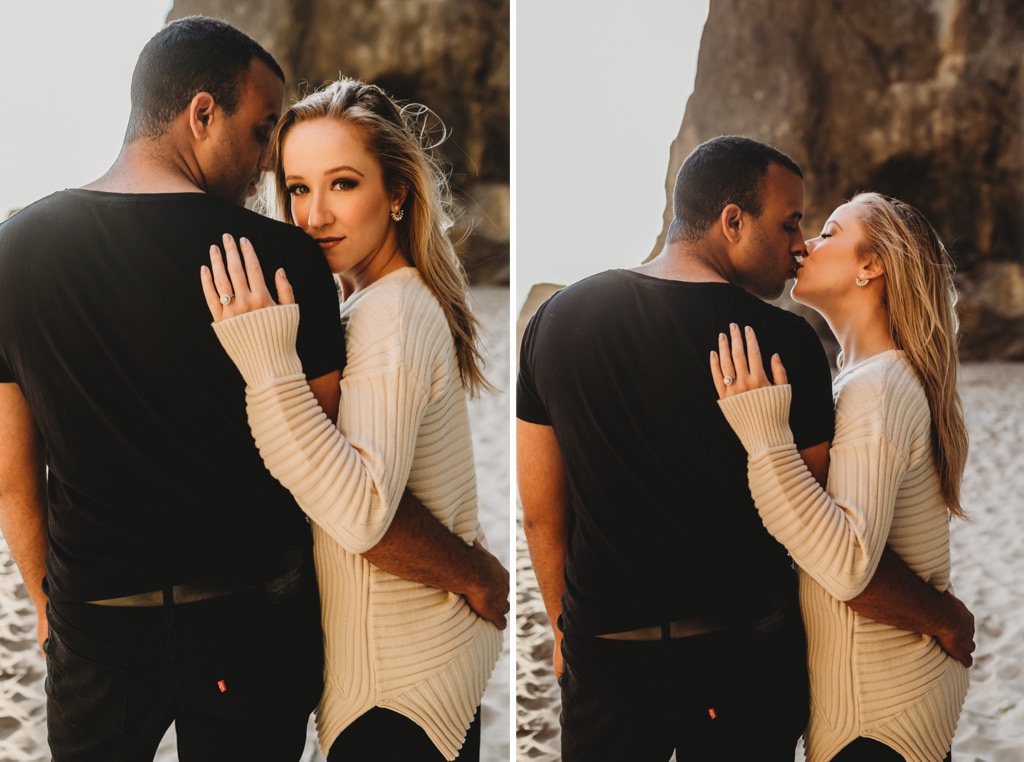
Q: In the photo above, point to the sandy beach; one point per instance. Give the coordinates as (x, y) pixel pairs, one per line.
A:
(23, 702)
(988, 574)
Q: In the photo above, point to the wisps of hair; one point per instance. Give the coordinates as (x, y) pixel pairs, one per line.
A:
(729, 169)
(920, 297)
(402, 143)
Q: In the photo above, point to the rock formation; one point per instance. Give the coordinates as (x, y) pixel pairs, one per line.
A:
(920, 99)
(452, 55)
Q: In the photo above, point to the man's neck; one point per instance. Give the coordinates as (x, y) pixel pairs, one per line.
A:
(147, 166)
(691, 263)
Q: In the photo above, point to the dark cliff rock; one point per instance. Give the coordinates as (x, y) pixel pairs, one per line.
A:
(451, 55)
(919, 99)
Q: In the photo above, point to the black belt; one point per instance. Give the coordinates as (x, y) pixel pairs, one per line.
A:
(194, 593)
(707, 624)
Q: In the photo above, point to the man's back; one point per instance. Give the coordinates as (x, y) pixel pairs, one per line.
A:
(662, 526)
(154, 479)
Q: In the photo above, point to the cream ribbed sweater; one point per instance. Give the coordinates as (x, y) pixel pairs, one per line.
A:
(867, 679)
(403, 420)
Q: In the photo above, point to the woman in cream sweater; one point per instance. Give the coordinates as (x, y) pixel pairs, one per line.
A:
(880, 276)
(405, 664)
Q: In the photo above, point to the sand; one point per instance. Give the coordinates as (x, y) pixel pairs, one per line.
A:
(23, 703)
(988, 574)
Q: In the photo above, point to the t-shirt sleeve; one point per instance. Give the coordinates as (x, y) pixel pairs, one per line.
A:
(812, 413)
(321, 340)
(529, 405)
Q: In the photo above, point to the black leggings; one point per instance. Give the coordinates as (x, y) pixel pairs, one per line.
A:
(870, 750)
(385, 735)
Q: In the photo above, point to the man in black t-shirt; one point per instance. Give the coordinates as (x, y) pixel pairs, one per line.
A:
(171, 573)
(673, 608)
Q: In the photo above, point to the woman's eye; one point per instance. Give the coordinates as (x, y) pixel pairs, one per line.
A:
(825, 234)
(297, 190)
(343, 183)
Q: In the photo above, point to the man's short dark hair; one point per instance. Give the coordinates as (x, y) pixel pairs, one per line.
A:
(725, 170)
(189, 56)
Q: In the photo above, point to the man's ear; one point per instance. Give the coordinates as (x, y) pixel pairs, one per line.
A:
(731, 222)
(202, 111)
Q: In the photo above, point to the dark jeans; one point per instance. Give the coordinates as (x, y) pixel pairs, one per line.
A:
(386, 735)
(712, 697)
(238, 675)
(870, 750)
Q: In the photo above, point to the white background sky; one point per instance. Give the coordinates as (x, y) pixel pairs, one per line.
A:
(65, 72)
(601, 87)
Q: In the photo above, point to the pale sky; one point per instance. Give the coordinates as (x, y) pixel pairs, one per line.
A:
(601, 87)
(65, 71)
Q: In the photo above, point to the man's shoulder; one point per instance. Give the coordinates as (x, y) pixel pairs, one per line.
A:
(591, 291)
(275, 241)
(248, 218)
(781, 319)
(33, 214)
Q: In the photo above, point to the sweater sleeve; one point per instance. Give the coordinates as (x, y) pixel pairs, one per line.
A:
(836, 536)
(349, 478)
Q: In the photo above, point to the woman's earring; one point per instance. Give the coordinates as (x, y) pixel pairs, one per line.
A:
(397, 214)
(861, 282)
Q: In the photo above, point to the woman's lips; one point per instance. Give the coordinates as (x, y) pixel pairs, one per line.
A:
(328, 243)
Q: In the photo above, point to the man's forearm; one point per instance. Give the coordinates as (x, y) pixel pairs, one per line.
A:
(418, 548)
(23, 490)
(546, 542)
(544, 493)
(899, 598)
(23, 495)
(23, 521)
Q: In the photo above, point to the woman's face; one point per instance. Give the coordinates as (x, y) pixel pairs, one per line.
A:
(827, 273)
(337, 194)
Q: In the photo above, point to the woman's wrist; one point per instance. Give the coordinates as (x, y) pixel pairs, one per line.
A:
(262, 343)
(760, 417)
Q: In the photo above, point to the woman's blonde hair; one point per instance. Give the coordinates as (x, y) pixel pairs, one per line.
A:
(921, 302)
(393, 134)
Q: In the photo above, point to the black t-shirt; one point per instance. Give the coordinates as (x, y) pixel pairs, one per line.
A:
(153, 478)
(662, 525)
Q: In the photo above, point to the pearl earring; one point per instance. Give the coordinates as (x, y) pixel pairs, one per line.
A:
(861, 282)
(397, 214)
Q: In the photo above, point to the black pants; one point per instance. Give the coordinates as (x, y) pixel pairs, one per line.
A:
(381, 734)
(713, 697)
(870, 750)
(238, 675)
